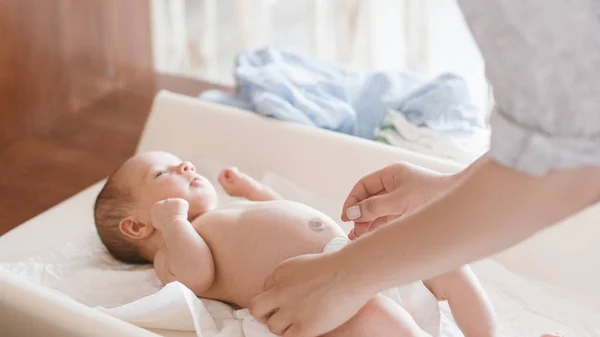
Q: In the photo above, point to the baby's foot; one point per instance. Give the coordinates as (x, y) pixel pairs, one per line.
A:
(236, 183)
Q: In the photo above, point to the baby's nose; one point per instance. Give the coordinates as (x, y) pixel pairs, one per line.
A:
(187, 166)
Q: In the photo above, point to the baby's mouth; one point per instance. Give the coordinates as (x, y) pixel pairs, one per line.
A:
(197, 182)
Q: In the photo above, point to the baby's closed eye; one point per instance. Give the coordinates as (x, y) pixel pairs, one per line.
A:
(160, 173)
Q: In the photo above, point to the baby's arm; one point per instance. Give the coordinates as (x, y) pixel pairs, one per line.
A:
(238, 184)
(185, 256)
(470, 306)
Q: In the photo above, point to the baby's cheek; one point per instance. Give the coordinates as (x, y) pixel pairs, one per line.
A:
(175, 190)
(204, 199)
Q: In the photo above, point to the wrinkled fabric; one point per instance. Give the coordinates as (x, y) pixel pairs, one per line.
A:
(301, 89)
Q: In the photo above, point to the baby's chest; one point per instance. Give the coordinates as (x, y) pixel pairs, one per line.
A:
(257, 219)
(250, 233)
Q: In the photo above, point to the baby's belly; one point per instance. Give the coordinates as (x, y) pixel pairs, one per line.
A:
(249, 243)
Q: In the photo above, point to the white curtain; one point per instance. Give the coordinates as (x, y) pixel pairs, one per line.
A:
(202, 37)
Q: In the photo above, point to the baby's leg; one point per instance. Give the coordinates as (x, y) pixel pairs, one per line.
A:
(379, 317)
(470, 306)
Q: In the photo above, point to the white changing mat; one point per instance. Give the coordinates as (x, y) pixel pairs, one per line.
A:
(83, 270)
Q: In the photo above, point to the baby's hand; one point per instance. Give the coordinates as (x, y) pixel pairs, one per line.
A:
(236, 183)
(169, 211)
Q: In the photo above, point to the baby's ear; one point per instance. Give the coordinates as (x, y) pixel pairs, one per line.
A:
(134, 228)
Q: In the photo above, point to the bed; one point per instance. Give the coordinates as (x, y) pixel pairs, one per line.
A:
(548, 282)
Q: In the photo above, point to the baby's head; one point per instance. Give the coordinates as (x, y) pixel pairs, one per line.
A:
(122, 209)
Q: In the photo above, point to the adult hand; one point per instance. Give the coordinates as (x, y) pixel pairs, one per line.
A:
(391, 192)
(309, 295)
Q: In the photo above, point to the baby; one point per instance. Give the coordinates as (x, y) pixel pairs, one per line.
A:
(156, 208)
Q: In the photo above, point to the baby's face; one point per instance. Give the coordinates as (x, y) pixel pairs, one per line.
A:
(155, 176)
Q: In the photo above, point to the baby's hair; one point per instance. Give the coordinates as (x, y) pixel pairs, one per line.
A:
(113, 204)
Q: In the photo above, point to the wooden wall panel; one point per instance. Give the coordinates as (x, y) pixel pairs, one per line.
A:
(32, 83)
(59, 56)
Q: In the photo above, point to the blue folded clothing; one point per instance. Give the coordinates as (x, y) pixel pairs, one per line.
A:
(298, 88)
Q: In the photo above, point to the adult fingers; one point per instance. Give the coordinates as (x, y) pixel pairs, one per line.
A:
(374, 207)
(366, 187)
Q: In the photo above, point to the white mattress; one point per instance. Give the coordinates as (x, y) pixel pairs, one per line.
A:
(325, 165)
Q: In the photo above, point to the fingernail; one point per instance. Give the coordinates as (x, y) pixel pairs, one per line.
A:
(353, 212)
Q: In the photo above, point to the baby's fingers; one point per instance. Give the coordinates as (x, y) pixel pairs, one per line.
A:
(360, 228)
(228, 175)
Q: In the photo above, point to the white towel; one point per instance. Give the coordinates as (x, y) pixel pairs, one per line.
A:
(463, 148)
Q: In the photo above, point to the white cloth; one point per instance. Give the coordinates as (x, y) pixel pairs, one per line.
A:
(460, 147)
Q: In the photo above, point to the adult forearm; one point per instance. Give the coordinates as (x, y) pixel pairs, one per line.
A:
(474, 166)
(490, 210)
